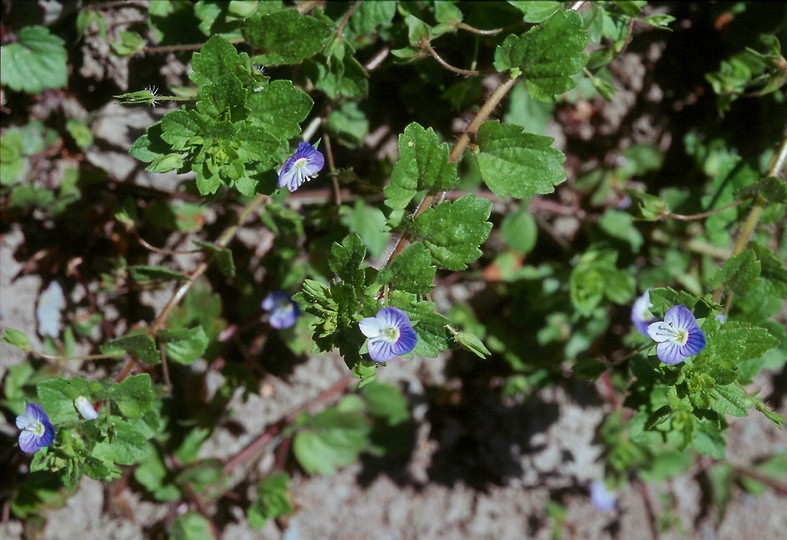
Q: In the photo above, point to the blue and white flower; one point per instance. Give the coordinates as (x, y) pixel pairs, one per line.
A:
(283, 309)
(390, 334)
(640, 313)
(678, 335)
(303, 165)
(37, 430)
(601, 498)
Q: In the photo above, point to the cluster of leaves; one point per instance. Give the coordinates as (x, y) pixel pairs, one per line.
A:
(470, 207)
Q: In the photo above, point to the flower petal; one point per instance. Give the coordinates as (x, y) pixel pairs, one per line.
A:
(680, 317)
(28, 442)
(406, 342)
(381, 350)
(371, 327)
(694, 343)
(670, 353)
(661, 331)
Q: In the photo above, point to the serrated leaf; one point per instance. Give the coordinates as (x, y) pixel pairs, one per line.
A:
(411, 271)
(190, 526)
(134, 395)
(453, 231)
(730, 399)
(663, 298)
(217, 58)
(429, 325)
(184, 346)
(740, 273)
(369, 223)
(279, 108)
(346, 260)
(140, 346)
(773, 272)
(284, 37)
(17, 339)
(35, 62)
(370, 15)
(536, 11)
(736, 342)
(422, 165)
(223, 257)
(548, 55)
(127, 445)
(224, 98)
(514, 162)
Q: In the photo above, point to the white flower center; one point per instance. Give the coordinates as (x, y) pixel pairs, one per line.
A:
(390, 333)
(300, 163)
(36, 427)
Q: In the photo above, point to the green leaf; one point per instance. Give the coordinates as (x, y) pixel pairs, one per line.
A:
(520, 231)
(349, 123)
(411, 271)
(17, 339)
(190, 526)
(36, 62)
(134, 395)
(152, 474)
(736, 342)
(279, 108)
(285, 37)
(346, 260)
(422, 165)
(333, 438)
(453, 231)
(341, 78)
(370, 15)
(140, 346)
(387, 401)
(547, 55)
(223, 257)
(429, 325)
(621, 225)
(155, 273)
(184, 346)
(514, 162)
(56, 396)
(535, 11)
(471, 343)
(127, 446)
(273, 500)
(663, 298)
(217, 58)
(773, 271)
(369, 223)
(740, 273)
(730, 399)
(130, 43)
(771, 415)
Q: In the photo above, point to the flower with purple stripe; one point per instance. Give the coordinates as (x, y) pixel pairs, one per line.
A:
(283, 310)
(640, 313)
(303, 165)
(678, 335)
(37, 430)
(390, 334)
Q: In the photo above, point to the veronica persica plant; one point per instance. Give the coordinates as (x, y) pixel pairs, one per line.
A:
(283, 310)
(678, 335)
(303, 165)
(601, 498)
(37, 430)
(85, 408)
(390, 334)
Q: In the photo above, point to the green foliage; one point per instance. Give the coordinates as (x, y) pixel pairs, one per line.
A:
(547, 55)
(454, 231)
(547, 295)
(35, 62)
(513, 162)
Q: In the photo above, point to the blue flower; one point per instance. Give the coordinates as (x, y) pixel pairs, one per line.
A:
(640, 313)
(283, 310)
(305, 163)
(390, 334)
(601, 498)
(37, 430)
(678, 335)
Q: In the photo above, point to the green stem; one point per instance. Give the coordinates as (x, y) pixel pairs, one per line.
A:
(775, 169)
(456, 153)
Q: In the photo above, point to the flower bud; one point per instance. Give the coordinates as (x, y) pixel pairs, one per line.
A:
(85, 408)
